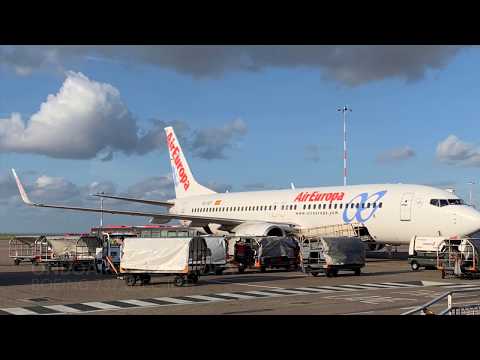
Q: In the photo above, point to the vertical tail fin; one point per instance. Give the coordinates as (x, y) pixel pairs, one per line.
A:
(185, 183)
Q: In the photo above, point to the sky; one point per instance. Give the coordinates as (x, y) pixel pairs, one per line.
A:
(75, 120)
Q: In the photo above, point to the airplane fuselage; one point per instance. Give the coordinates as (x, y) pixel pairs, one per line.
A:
(393, 213)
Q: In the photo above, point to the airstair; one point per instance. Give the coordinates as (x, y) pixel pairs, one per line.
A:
(337, 230)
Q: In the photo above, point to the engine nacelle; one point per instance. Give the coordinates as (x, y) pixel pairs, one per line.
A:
(258, 229)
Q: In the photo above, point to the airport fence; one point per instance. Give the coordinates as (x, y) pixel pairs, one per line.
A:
(467, 309)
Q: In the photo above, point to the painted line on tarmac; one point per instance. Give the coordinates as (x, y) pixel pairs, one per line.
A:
(112, 305)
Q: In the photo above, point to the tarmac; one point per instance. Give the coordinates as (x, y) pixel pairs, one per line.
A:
(387, 285)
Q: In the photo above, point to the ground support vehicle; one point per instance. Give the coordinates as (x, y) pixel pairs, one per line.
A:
(423, 252)
(22, 249)
(332, 254)
(217, 254)
(278, 252)
(68, 252)
(460, 258)
(185, 258)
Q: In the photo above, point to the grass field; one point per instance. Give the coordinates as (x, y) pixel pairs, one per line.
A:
(5, 237)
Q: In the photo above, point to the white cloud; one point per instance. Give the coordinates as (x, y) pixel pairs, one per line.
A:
(83, 118)
(454, 151)
(88, 119)
(396, 154)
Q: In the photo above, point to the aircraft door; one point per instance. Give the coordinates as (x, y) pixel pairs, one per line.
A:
(406, 207)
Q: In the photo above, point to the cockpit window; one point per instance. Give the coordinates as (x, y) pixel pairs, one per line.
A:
(456, 202)
(443, 202)
(446, 202)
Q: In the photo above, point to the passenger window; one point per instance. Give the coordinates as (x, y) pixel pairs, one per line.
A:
(309, 206)
(380, 205)
(330, 206)
(443, 202)
(363, 205)
(324, 206)
(374, 205)
(291, 207)
(314, 206)
(335, 206)
(357, 205)
(270, 207)
(341, 206)
(275, 207)
(435, 202)
(295, 207)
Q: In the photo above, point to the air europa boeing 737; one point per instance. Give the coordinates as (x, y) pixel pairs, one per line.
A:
(388, 213)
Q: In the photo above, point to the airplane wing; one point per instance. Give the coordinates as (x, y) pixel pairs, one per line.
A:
(142, 201)
(198, 220)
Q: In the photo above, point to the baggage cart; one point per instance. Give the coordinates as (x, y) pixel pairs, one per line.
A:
(278, 252)
(217, 254)
(185, 258)
(22, 249)
(68, 252)
(460, 258)
(332, 254)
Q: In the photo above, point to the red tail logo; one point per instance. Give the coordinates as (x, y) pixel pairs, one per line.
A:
(175, 153)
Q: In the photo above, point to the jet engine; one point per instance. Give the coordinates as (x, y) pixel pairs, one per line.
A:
(259, 229)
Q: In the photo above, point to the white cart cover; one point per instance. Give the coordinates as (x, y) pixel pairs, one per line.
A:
(69, 246)
(156, 254)
(217, 246)
(343, 251)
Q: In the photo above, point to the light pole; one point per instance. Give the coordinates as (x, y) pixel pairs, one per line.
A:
(344, 110)
(101, 213)
(471, 183)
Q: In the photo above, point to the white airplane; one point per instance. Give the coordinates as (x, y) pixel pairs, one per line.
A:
(388, 213)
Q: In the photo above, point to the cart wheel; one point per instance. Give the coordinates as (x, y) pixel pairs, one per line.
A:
(16, 262)
(443, 274)
(218, 271)
(328, 273)
(241, 268)
(130, 280)
(263, 269)
(335, 272)
(195, 279)
(414, 265)
(358, 272)
(315, 274)
(145, 279)
(179, 280)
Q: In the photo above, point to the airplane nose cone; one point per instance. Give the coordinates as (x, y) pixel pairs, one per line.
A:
(469, 221)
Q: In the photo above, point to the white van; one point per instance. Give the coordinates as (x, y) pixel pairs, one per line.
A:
(423, 251)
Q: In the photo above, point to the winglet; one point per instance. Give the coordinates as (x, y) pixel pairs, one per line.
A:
(23, 194)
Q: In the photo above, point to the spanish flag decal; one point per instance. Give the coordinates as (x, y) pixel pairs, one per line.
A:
(218, 202)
